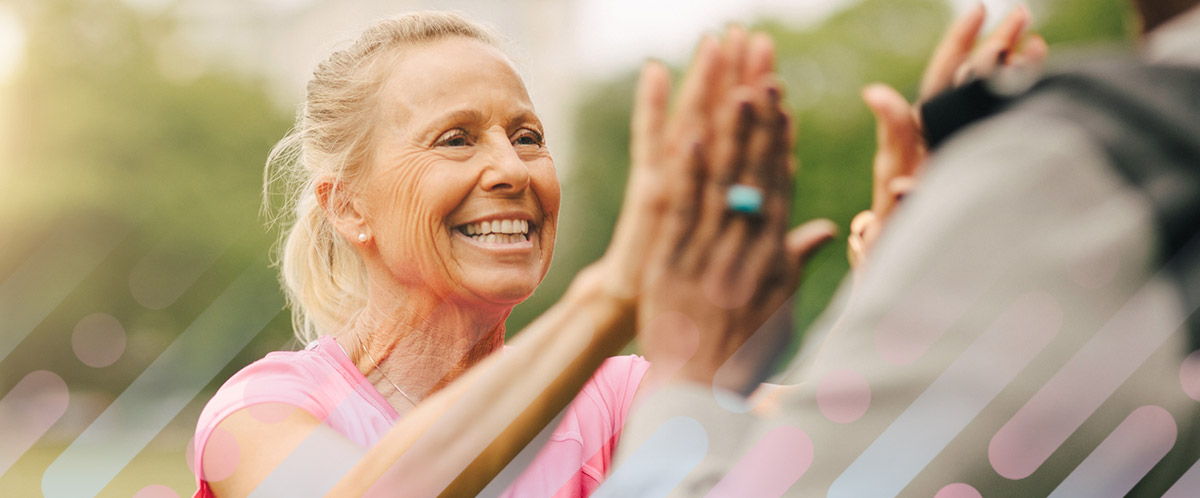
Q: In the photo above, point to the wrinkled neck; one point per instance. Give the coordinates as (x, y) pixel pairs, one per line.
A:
(420, 341)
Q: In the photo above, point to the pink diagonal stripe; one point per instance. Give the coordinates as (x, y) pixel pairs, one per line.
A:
(1087, 379)
(770, 468)
(28, 411)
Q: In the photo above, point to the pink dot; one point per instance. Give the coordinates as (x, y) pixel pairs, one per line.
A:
(27, 411)
(958, 490)
(156, 491)
(98, 340)
(1189, 375)
(843, 396)
(221, 456)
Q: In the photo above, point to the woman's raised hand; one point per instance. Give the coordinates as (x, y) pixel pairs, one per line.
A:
(900, 146)
(661, 136)
(722, 261)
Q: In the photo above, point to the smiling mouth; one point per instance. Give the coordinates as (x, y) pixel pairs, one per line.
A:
(497, 231)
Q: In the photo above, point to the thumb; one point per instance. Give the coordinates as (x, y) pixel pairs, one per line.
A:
(804, 241)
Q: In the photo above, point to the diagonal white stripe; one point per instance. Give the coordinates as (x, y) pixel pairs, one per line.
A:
(166, 386)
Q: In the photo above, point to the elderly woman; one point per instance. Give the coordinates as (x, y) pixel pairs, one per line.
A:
(426, 204)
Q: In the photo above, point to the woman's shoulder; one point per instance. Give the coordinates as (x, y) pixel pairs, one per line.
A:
(278, 376)
(307, 379)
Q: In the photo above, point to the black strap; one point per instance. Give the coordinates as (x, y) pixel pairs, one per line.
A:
(949, 112)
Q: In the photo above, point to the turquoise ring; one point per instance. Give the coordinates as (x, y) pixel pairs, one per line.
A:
(744, 199)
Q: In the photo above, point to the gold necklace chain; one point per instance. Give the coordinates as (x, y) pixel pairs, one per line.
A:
(384, 374)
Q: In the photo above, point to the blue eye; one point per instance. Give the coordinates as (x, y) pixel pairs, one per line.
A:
(454, 138)
(528, 137)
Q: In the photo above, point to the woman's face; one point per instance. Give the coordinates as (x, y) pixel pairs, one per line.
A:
(461, 196)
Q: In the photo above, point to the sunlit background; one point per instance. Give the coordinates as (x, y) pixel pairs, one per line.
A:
(134, 275)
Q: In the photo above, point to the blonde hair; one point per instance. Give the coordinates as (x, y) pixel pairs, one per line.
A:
(321, 273)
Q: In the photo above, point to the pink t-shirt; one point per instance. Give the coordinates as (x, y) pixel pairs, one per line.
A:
(322, 381)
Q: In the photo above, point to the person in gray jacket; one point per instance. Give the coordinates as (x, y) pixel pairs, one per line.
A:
(1020, 327)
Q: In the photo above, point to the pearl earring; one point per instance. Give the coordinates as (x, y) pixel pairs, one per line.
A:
(362, 237)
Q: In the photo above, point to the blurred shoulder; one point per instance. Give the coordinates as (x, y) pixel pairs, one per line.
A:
(297, 378)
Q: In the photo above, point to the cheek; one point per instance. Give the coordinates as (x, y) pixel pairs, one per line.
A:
(411, 204)
(544, 180)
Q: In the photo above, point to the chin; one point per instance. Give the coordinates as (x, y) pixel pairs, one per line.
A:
(512, 294)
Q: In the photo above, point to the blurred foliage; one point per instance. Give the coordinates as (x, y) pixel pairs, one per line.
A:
(109, 142)
(114, 131)
(106, 137)
(1074, 22)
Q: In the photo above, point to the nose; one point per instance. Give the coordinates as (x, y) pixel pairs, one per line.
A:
(505, 171)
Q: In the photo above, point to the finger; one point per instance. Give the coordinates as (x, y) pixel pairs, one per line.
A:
(760, 256)
(732, 132)
(1035, 50)
(802, 242)
(699, 84)
(734, 55)
(777, 124)
(782, 164)
(859, 224)
(761, 59)
(966, 72)
(649, 115)
(856, 242)
(996, 48)
(645, 198)
(727, 144)
(901, 186)
(777, 166)
(685, 207)
(898, 143)
(730, 136)
(765, 158)
(952, 52)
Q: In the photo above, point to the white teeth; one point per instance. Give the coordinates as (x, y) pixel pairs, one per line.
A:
(512, 227)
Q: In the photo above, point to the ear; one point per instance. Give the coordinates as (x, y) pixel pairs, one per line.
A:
(343, 210)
